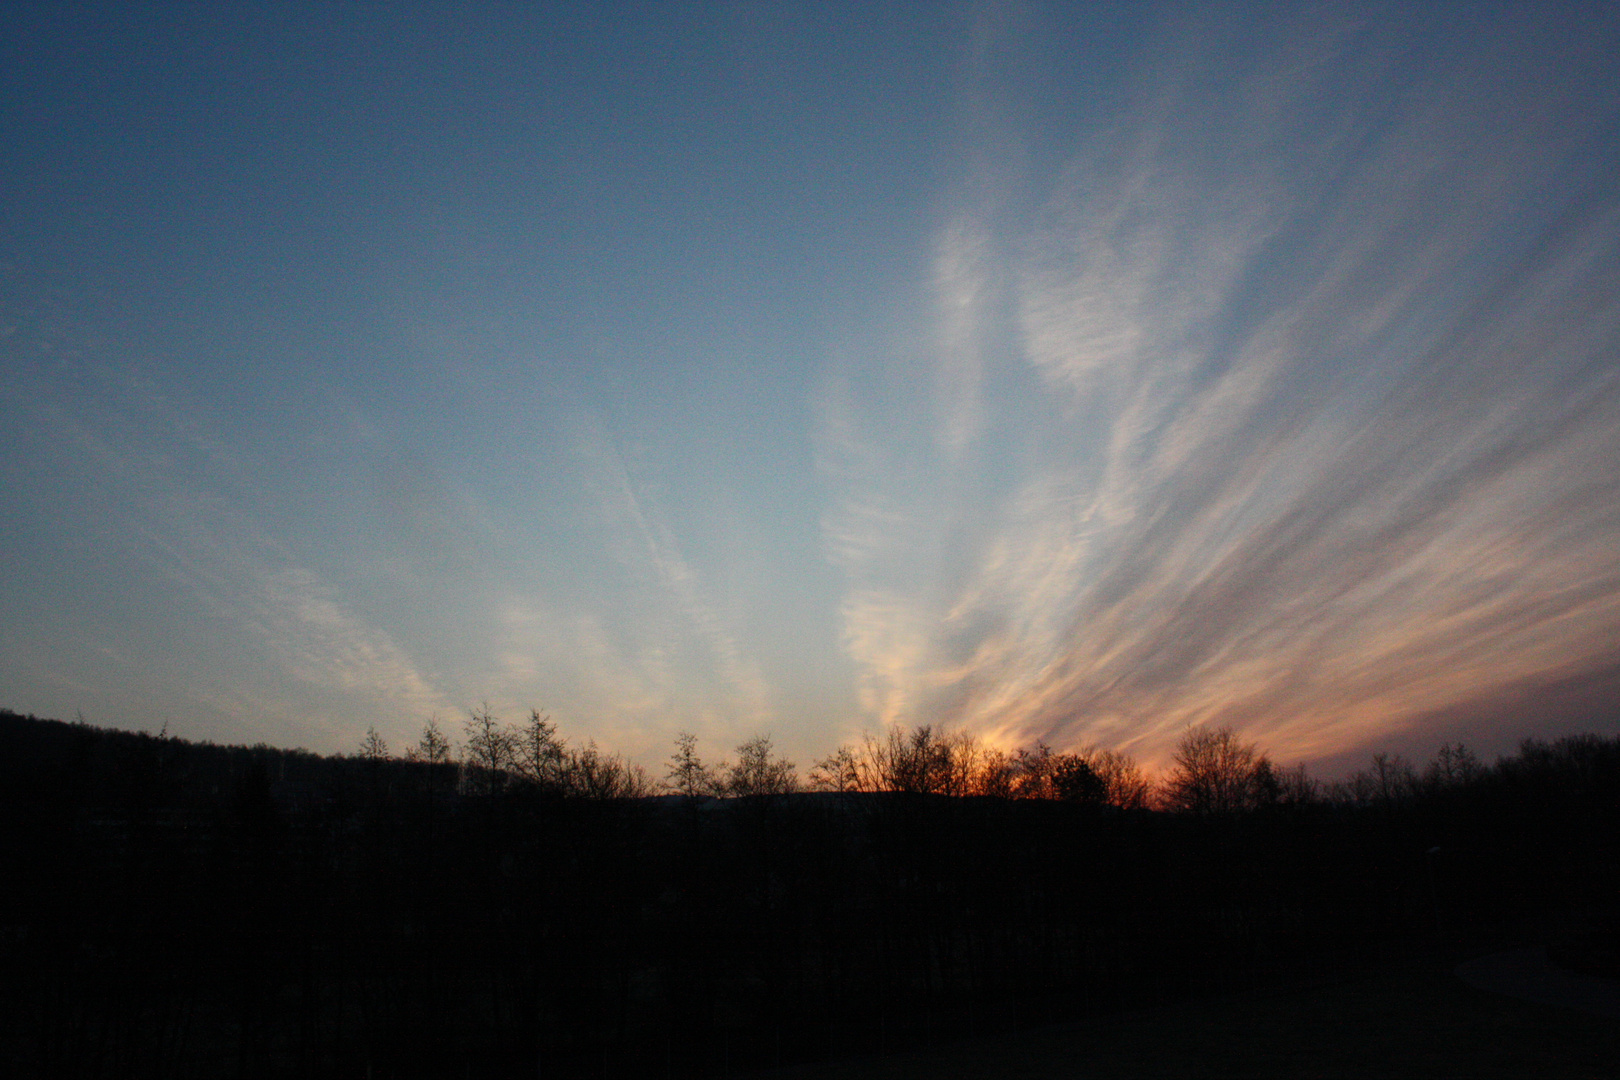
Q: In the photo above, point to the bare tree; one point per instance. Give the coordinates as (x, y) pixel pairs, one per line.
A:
(373, 747)
(373, 756)
(433, 748)
(432, 751)
(1265, 784)
(1215, 772)
(915, 761)
(1298, 786)
(838, 771)
(1125, 785)
(1390, 779)
(1453, 765)
(1072, 778)
(924, 759)
(1042, 773)
(756, 772)
(491, 751)
(1032, 771)
(999, 775)
(590, 774)
(962, 763)
(539, 756)
(1394, 779)
(1355, 790)
(688, 775)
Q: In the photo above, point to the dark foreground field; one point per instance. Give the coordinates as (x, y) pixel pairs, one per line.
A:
(175, 910)
(1413, 1019)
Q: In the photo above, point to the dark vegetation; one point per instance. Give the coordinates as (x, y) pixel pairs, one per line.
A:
(530, 908)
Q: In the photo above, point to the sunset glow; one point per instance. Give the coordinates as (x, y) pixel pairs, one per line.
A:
(1052, 372)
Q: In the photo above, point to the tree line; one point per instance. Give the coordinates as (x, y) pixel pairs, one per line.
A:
(496, 908)
(1213, 770)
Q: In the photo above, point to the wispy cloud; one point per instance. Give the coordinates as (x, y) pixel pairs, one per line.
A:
(321, 642)
(961, 280)
(672, 609)
(202, 604)
(1326, 429)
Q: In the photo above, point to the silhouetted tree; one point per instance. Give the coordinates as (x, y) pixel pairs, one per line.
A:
(1296, 786)
(1265, 785)
(374, 755)
(963, 762)
(838, 771)
(1215, 772)
(916, 761)
(373, 747)
(590, 774)
(1072, 779)
(998, 775)
(1390, 780)
(433, 752)
(1041, 773)
(433, 748)
(923, 759)
(1127, 786)
(688, 775)
(491, 751)
(1452, 765)
(756, 772)
(540, 755)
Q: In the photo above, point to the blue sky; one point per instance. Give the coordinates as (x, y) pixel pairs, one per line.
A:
(1052, 371)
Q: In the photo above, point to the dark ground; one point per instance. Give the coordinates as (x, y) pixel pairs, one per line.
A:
(182, 910)
(1414, 1019)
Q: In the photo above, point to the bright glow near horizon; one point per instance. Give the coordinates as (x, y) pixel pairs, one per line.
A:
(1058, 372)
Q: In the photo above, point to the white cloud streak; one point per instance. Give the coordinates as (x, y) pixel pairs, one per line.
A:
(201, 604)
(674, 611)
(1326, 430)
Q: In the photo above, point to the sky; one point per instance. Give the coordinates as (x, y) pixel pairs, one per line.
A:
(1076, 372)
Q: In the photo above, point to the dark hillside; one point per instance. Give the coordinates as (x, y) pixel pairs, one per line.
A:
(175, 909)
